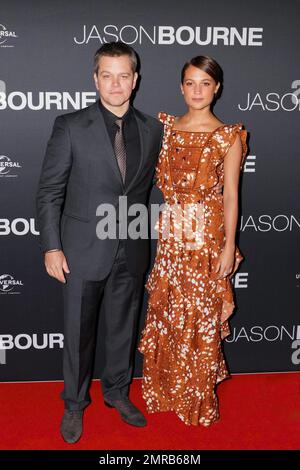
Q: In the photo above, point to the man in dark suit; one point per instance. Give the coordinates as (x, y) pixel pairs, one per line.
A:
(93, 157)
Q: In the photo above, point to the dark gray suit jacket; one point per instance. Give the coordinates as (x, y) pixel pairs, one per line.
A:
(79, 173)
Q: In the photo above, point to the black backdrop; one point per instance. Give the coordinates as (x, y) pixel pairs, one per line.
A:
(46, 52)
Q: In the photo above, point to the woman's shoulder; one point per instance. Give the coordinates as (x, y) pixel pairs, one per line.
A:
(231, 131)
(239, 126)
(228, 132)
(166, 118)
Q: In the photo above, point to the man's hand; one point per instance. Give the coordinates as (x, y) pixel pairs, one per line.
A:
(56, 264)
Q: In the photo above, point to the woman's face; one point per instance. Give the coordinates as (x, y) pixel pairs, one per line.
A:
(198, 88)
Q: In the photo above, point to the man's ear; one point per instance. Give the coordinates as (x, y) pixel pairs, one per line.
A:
(96, 81)
(135, 77)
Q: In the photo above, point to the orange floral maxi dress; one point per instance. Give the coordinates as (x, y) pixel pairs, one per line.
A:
(188, 307)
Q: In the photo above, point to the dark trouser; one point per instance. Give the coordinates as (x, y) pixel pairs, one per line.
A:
(119, 296)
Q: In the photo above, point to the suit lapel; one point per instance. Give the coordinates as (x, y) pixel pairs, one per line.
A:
(101, 137)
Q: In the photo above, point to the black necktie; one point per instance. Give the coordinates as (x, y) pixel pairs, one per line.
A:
(120, 150)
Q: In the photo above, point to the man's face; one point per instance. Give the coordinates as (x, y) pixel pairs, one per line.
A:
(115, 82)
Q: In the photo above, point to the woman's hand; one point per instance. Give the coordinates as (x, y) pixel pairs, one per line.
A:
(218, 188)
(226, 263)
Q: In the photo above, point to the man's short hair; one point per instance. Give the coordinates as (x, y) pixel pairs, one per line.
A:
(115, 49)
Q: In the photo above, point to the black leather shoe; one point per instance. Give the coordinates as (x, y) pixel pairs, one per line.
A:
(71, 426)
(128, 411)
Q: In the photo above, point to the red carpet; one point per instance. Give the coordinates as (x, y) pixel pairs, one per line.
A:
(257, 412)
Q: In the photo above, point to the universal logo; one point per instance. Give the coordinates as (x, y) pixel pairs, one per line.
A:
(8, 167)
(5, 36)
(8, 284)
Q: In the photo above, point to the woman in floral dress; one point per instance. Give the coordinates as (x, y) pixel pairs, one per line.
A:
(189, 287)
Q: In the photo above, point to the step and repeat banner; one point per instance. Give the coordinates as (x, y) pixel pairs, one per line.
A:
(46, 69)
